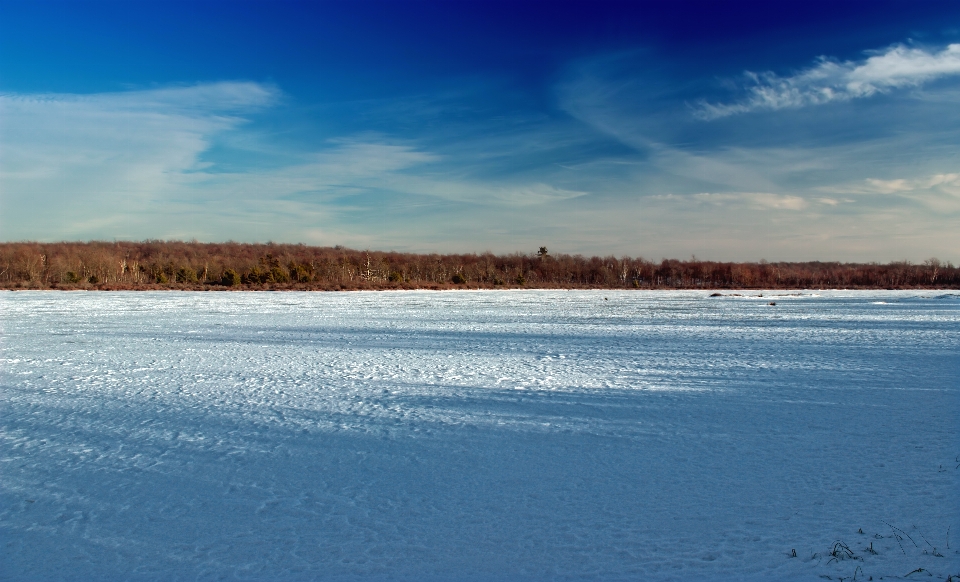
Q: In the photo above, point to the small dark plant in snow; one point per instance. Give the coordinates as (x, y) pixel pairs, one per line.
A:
(897, 535)
(933, 549)
(859, 571)
(842, 551)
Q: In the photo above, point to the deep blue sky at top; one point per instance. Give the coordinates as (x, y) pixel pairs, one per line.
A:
(369, 49)
(591, 120)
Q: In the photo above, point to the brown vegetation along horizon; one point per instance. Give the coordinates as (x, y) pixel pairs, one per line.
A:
(209, 266)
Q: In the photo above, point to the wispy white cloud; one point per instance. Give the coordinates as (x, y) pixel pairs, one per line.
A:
(190, 100)
(939, 192)
(81, 164)
(757, 200)
(947, 183)
(351, 167)
(830, 80)
(488, 193)
(801, 189)
(136, 164)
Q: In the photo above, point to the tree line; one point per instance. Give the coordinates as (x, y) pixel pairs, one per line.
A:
(193, 265)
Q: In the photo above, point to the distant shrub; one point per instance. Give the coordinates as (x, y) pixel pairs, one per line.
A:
(73, 277)
(459, 279)
(93, 279)
(498, 281)
(254, 277)
(300, 273)
(230, 278)
(185, 275)
(396, 277)
(521, 280)
(277, 275)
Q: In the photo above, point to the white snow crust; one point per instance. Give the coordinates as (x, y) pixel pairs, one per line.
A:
(487, 435)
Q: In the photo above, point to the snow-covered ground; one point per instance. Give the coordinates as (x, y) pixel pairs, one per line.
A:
(489, 435)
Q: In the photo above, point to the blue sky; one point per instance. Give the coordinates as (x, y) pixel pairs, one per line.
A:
(729, 131)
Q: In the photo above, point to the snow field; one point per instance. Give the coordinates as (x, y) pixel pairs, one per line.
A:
(479, 435)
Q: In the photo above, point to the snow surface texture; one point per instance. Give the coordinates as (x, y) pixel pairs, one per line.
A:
(490, 435)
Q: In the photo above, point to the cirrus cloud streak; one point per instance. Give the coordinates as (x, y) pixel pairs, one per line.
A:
(830, 80)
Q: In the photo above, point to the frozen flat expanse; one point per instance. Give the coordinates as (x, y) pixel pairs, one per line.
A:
(494, 435)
